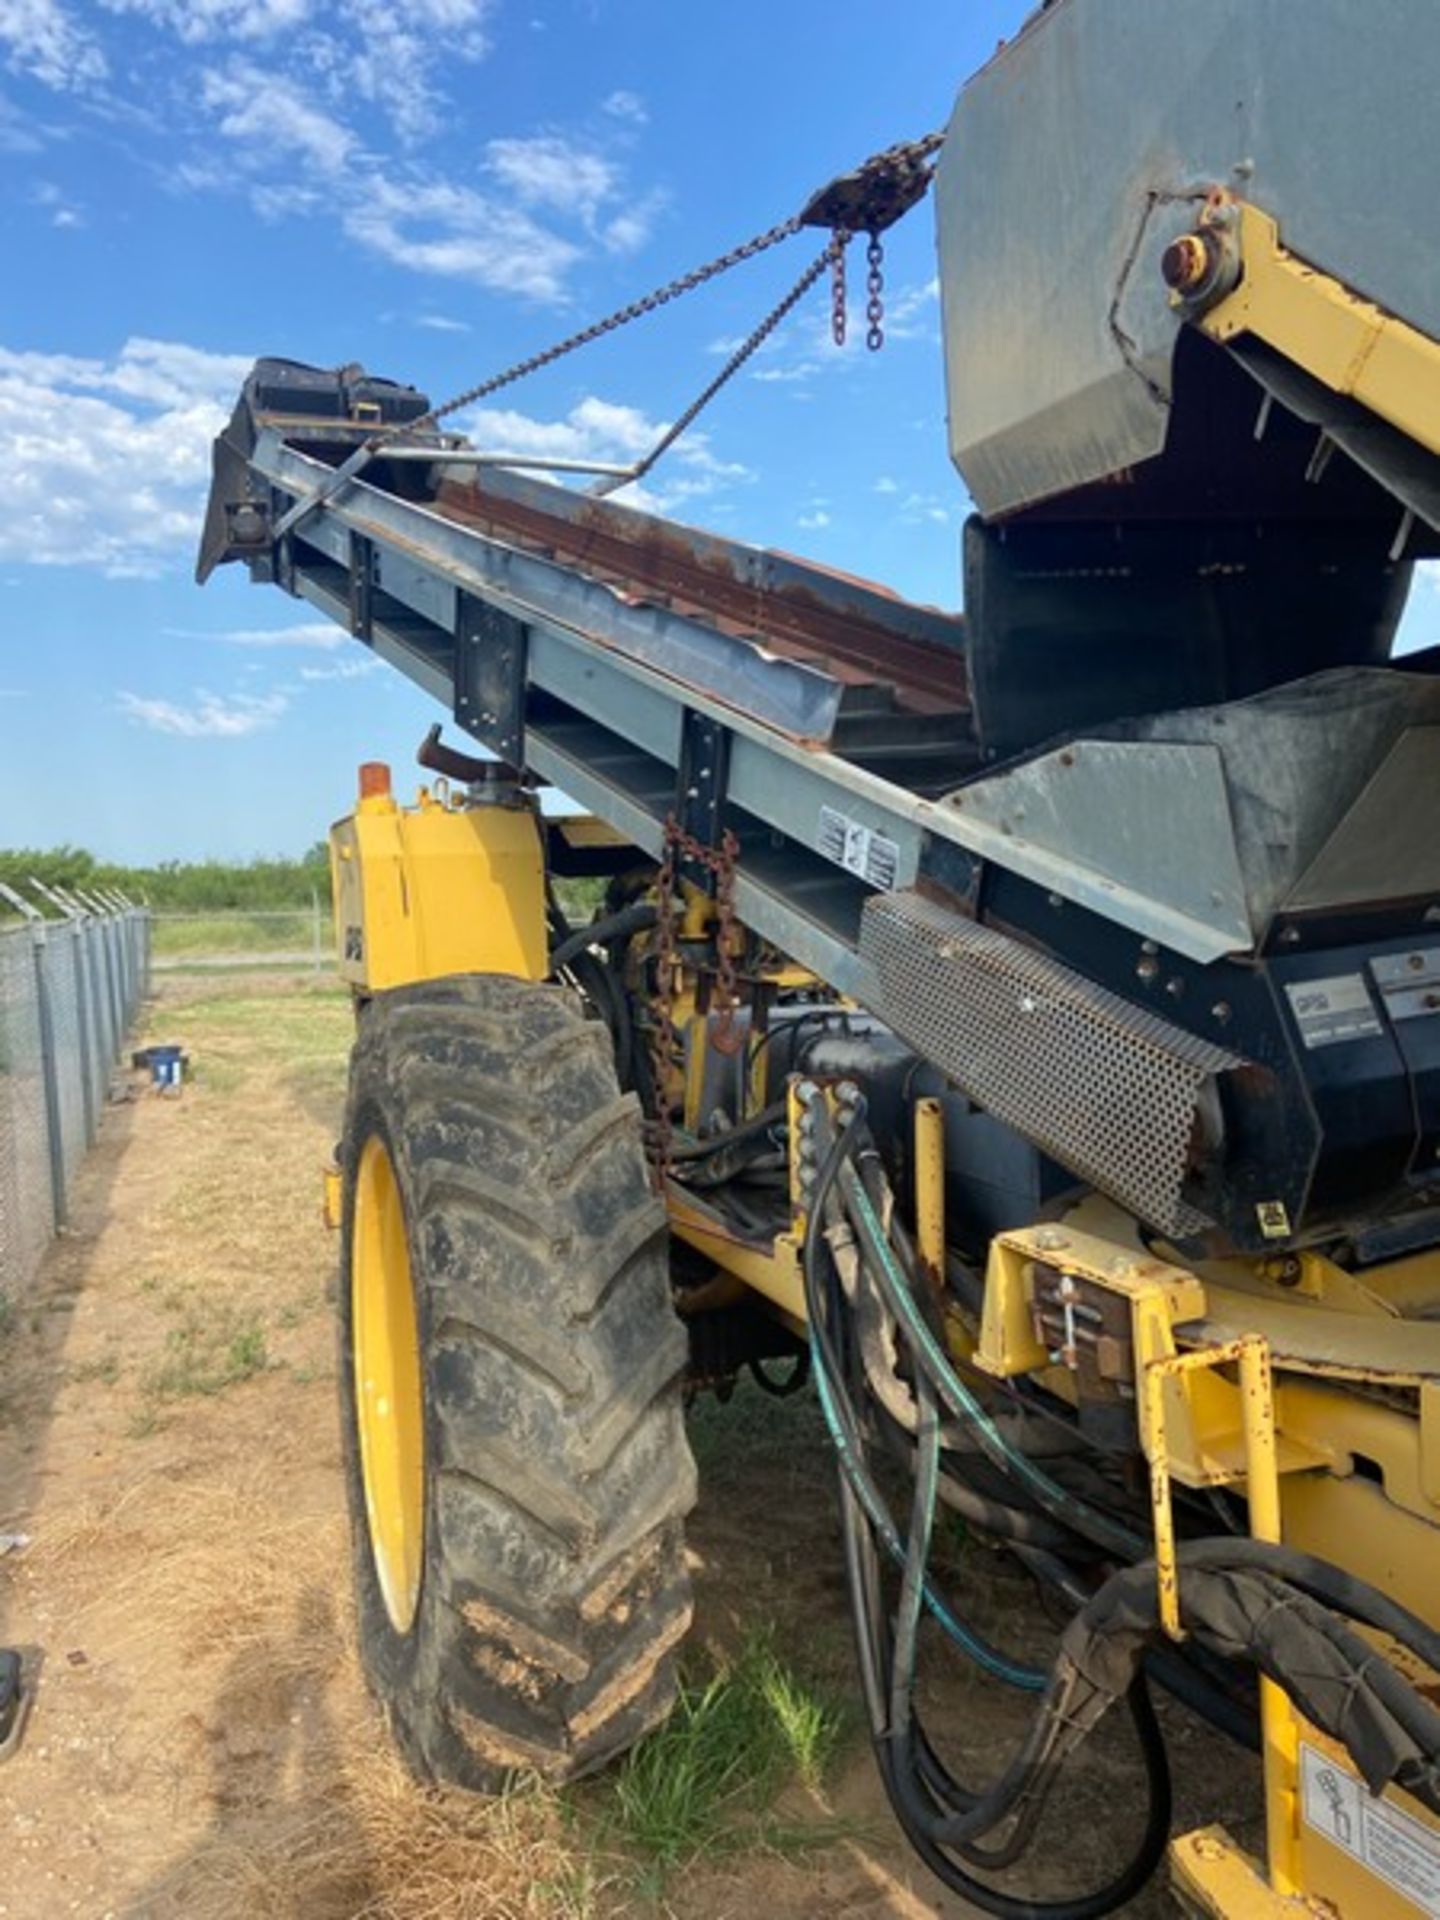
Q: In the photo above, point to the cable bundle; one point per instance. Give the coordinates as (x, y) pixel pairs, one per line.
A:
(882, 1370)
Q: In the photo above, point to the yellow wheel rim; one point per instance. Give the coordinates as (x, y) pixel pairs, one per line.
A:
(389, 1410)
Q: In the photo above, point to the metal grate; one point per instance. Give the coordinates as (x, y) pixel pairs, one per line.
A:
(1104, 1087)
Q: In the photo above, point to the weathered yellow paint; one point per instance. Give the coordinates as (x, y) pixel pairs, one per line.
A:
(438, 889)
(388, 1398)
(773, 1271)
(1353, 346)
(331, 1202)
(1212, 1876)
(930, 1187)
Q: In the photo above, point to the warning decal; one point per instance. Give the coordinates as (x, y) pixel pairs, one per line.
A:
(1395, 1848)
(859, 849)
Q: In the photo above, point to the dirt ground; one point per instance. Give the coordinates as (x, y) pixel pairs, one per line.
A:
(200, 1743)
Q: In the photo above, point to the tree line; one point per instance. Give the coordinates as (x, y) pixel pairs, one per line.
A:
(177, 886)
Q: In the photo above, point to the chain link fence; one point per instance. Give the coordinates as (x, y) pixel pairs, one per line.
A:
(244, 937)
(69, 990)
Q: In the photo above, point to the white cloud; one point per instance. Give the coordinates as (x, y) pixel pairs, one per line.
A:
(357, 669)
(926, 506)
(805, 350)
(549, 171)
(886, 485)
(401, 43)
(910, 311)
(323, 634)
(386, 53)
(628, 231)
(814, 520)
(106, 462)
(437, 227)
(264, 109)
(63, 211)
(210, 715)
(441, 323)
(198, 21)
(18, 132)
(41, 38)
(625, 105)
(609, 431)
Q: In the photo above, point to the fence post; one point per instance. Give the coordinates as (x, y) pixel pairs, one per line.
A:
(49, 1060)
(315, 929)
(84, 1017)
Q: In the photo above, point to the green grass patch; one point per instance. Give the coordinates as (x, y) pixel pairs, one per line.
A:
(238, 933)
(212, 1348)
(703, 1786)
(103, 1372)
(305, 1033)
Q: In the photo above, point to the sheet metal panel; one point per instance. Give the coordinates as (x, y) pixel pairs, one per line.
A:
(1056, 197)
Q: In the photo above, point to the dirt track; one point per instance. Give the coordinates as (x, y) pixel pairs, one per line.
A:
(200, 1743)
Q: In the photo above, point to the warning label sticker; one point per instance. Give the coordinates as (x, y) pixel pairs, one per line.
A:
(859, 849)
(1395, 1848)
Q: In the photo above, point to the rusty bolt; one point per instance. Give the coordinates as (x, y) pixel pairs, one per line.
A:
(1185, 264)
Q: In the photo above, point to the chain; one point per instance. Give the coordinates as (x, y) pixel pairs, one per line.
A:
(727, 1037)
(868, 200)
(875, 291)
(835, 251)
(898, 174)
(647, 303)
(663, 1057)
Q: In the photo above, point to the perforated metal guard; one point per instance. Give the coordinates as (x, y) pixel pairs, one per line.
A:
(1106, 1088)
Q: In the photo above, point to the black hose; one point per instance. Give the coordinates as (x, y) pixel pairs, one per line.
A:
(1168, 1666)
(910, 1799)
(1062, 1506)
(615, 926)
(1345, 1592)
(948, 1816)
(761, 1122)
(830, 1372)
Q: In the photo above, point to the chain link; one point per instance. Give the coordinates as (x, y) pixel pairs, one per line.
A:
(906, 155)
(875, 292)
(727, 1036)
(647, 303)
(837, 296)
(835, 250)
(663, 1053)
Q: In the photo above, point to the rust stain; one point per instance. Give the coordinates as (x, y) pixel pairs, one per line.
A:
(664, 568)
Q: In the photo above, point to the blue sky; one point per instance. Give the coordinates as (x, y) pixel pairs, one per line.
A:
(432, 187)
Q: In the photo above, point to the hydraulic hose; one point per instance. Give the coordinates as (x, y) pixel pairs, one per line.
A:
(894, 1284)
(941, 1818)
(1344, 1592)
(616, 926)
(829, 1377)
(913, 1803)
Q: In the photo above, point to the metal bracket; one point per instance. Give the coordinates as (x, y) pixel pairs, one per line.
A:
(490, 660)
(700, 789)
(362, 586)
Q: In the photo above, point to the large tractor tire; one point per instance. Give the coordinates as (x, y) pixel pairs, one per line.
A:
(509, 1362)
